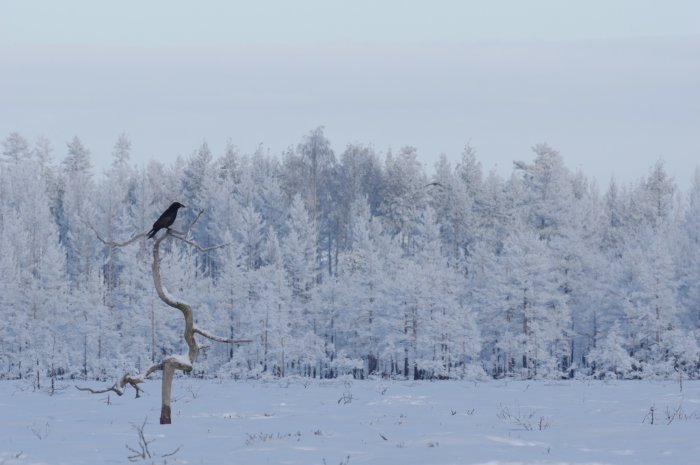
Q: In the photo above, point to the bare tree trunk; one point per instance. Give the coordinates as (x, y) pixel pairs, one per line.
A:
(171, 363)
(168, 372)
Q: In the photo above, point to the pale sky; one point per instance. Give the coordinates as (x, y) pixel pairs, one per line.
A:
(613, 85)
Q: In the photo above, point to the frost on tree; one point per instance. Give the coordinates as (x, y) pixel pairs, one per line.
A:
(364, 266)
(169, 364)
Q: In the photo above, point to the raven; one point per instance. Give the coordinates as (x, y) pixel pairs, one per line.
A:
(166, 219)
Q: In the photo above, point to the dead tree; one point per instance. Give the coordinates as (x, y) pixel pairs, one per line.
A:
(169, 364)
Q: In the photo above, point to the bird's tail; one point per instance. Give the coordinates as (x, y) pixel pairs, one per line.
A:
(152, 233)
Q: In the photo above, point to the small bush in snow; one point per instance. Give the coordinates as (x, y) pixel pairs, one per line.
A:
(528, 421)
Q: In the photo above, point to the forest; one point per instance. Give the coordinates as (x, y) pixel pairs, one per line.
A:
(353, 263)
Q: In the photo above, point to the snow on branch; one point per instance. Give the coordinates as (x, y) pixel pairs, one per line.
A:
(168, 298)
(133, 381)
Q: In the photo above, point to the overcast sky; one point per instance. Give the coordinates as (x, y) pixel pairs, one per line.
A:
(613, 85)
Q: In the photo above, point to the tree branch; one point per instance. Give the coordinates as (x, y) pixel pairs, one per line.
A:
(195, 245)
(182, 236)
(219, 338)
(165, 297)
(133, 381)
(171, 363)
(175, 232)
(117, 244)
(113, 388)
(187, 231)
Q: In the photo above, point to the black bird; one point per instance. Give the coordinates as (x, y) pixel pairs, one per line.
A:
(166, 219)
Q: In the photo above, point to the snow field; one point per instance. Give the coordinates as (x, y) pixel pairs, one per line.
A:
(307, 422)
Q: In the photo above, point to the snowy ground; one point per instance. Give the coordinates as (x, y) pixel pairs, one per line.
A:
(360, 422)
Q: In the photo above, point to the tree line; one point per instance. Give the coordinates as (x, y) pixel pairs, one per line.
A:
(356, 263)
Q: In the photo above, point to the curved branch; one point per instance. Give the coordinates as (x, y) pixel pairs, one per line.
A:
(113, 388)
(171, 302)
(197, 246)
(219, 338)
(169, 364)
(175, 232)
(114, 244)
(187, 231)
(145, 234)
(155, 268)
(133, 381)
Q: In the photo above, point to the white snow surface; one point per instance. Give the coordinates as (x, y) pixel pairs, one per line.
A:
(359, 422)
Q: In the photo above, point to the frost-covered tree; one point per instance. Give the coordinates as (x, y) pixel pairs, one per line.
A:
(300, 262)
(34, 284)
(360, 178)
(547, 191)
(611, 357)
(537, 316)
(652, 312)
(404, 196)
(370, 265)
(688, 258)
(311, 173)
(198, 187)
(446, 335)
(361, 321)
(454, 206)
(15, 148)
(77, 212)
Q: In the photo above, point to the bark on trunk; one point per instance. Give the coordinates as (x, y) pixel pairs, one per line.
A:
(168, 371)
